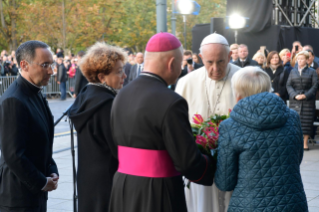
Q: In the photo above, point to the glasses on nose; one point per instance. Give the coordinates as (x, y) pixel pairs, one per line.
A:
(45, 65)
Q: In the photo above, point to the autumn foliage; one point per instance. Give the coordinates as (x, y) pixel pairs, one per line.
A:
(76, 24)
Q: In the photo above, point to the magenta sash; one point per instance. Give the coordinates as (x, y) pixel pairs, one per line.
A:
(145, 162)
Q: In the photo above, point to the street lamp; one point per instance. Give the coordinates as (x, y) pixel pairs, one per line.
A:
(236, 22)
(187, 7)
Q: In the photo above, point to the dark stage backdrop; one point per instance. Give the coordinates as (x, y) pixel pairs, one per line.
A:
(259, 12)
(274, 37)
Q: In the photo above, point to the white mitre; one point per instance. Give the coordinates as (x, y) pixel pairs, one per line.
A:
(214, 38)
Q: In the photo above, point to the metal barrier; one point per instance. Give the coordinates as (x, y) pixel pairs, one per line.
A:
(52, 88)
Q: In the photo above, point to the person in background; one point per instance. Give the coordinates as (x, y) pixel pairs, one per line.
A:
(196, 58)
(260, 59)
(285, 57)
(234, 49)
(243, 59)
(136, 69)
(62, 77)
(102, 65)
(296, 48)
(188, 63)
(80, 80)
(309, 47)
(278, 75)
(311, 63)
(302, 87)
(260, 149)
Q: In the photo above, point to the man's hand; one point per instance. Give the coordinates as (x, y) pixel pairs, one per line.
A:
(51, 185)
(277, 94)
(190, 68)
(58, 82)
(74, 95)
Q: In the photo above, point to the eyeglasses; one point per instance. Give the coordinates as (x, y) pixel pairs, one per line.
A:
(45, 65)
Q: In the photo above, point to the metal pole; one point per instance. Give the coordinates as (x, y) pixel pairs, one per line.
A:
(161, 16)
(184, 20)
(296, 7)
(173, 19)
(236, 35)
(276, 13)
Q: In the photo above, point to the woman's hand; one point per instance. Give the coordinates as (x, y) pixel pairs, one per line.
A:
(300, 97)
(277, 94)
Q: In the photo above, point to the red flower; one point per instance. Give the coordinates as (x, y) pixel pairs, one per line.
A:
(198, 119)
(201, 140)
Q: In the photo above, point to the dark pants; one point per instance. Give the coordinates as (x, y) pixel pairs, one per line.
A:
(63, 90)
(41, 208)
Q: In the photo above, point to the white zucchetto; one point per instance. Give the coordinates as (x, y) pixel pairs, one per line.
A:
(214, 38)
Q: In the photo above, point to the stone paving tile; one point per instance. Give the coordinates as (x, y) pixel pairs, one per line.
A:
(313, 209)
(314, 203)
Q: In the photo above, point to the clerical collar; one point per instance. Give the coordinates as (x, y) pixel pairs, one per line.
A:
(149, 74)
(35, 87)
(243, 60)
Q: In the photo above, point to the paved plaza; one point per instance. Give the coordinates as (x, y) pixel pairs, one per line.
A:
(61, 199)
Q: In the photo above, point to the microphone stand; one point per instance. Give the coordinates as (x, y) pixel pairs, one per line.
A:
(75, 197)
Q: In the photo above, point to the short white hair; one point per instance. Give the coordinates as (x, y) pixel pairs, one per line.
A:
(249, 81)
(226, 47)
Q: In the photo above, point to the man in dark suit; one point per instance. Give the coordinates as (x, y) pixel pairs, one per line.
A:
(27, 169)
(137, 68)
(80, 80)
(62, 77)
(243, 59)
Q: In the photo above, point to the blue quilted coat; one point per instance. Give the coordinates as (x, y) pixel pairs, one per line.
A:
(259, 155)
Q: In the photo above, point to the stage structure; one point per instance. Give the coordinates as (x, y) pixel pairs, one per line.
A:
(275, 24)
(300, 13)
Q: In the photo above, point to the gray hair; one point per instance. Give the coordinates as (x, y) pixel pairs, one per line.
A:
(26, 51)
(226, 48)
(249, 81)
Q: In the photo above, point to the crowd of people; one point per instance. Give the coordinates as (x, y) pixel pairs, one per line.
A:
(136, 148)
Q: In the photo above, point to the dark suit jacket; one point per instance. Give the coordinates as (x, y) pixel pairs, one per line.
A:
(80, 81)
(26, 139)
(248, 62)
(127, 69)
(133, 73)
(62, 76)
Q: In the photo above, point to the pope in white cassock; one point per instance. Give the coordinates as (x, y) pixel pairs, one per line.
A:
(208, 91)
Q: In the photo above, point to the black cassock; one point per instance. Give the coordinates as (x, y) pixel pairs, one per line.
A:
(97, 160)
(147, 115)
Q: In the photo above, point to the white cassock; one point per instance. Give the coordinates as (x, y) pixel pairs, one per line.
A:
(197, 88)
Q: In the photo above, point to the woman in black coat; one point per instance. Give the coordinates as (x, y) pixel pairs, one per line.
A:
(277, 74)
(91, 114)
(302, 86)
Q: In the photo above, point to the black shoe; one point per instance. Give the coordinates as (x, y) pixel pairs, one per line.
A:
(306, 149)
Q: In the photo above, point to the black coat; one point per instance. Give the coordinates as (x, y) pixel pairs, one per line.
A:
(26, 139)
(157, 119)
(304, 84)
(248, 62)
(62, 75)
(97, 161)
(80, 81)
(279, 81)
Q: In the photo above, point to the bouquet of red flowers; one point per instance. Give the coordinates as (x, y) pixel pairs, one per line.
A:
(206, 133)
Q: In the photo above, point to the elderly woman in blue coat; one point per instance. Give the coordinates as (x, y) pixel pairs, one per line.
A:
(260, 149)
